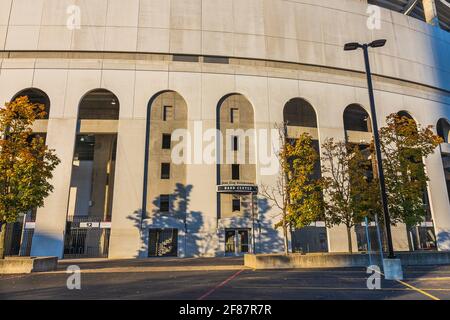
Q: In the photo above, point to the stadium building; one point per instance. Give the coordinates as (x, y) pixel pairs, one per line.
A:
(122, 79)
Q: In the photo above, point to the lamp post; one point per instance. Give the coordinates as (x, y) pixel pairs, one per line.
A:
(387, 220)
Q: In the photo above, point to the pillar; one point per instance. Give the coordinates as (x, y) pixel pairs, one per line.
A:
(439, 201)
(48, 238)
(431, 14)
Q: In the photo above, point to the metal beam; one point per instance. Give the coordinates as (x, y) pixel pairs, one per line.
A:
(409, 7)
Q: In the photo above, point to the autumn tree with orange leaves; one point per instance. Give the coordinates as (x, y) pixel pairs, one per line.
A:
(26, 164)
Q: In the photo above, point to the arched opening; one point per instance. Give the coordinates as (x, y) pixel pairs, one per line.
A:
(300, 117)
(93, 172)
(423, 236)
(35, 95)
(19, 240)
(405, 114)
(356, 118)
(443, 130)
(358, 133)
(300, 113)
(166, 195)
(99, 104)
(236, 166)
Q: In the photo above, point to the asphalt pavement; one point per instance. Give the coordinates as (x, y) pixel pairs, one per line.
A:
(220, 279)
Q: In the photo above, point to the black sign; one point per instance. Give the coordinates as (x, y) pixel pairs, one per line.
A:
(237, 188)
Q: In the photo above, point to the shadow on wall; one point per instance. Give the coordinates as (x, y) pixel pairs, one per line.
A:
(268, 238)
(189, 224)
(442, 77)
(196, 236)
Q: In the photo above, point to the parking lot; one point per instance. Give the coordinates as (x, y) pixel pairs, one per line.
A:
(221, 279)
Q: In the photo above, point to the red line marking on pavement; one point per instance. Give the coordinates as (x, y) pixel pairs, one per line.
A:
(220, 285)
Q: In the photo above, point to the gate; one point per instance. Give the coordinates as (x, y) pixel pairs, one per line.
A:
(86, 237)
(163, 243)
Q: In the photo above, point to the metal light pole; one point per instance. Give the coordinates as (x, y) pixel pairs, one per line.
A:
(387, 220)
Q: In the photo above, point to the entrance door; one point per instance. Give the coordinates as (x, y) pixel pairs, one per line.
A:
(237, 241)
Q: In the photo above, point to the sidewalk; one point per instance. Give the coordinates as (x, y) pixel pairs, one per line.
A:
(153, 265)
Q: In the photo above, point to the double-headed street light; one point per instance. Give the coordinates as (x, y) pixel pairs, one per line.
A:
(387, 220)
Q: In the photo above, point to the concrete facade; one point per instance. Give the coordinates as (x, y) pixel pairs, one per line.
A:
(272, 51)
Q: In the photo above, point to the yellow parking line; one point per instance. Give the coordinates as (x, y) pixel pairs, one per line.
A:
(418, 290)
(413, 288)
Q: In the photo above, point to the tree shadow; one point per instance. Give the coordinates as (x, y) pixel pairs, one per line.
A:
(189, 225)
(196, 237)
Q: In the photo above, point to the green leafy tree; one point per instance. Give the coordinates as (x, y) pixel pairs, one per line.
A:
(404, 146)
(26, 164)
(297, 194)
(348, 188)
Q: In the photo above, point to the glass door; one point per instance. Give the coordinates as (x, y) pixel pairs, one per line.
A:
(230, 241)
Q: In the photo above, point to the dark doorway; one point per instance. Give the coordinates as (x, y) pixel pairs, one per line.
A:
(163, 243)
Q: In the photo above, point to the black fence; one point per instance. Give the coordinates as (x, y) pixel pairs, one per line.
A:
(86, 237)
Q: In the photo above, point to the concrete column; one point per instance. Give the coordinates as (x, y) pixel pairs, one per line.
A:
(126, 241)
(48, 238)
(431, 14)
(439, 201)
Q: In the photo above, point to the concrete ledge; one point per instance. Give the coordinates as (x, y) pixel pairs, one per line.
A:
(340, 260)
(20, 265)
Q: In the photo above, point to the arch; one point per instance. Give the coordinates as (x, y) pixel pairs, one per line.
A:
(300, 113)
(356, 118)
(235, 152)
(406, 114)
(443, 129)
(35, 95)
(167, 111)
(99, 104)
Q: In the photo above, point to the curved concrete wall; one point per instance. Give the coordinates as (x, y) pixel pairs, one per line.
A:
(308, 33)
(304, 31)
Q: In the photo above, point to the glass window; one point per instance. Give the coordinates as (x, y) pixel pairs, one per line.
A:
(223, 60)
(166, 141)
(235, 143)
(235, 172)
(167, 113)
(236, 204)
(165, 171)
(164, 203)
(185, 58)
(234, 115)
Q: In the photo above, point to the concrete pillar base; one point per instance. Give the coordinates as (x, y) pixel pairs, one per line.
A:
(392, 269)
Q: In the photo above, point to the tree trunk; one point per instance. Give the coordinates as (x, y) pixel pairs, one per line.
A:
(285, 235)
(2, 240)
(286, 243)
(349, 239)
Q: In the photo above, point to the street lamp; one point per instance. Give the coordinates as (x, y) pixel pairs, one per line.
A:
(387, 220)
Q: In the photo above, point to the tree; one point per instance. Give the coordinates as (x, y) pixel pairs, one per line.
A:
(297, 194)
(404, 146)
(26, 163)
(348, 187)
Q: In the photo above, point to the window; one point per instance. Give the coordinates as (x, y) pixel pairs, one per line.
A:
(167, 113)
(185, 58)
(234, 115)
(209, 59)
(235, 143)
(236, 204)
(166, 141)
(165, 171)
(164, 203)
(235, 174)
